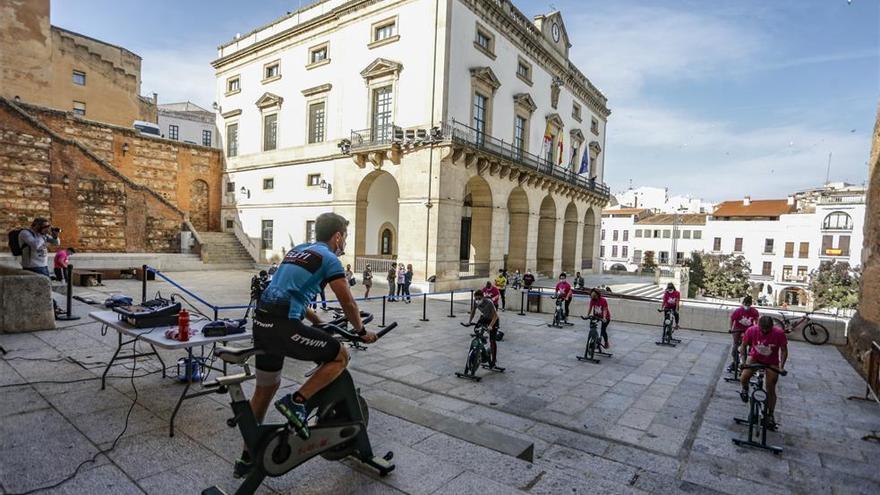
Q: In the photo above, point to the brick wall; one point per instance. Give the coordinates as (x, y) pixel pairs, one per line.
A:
(99, 209)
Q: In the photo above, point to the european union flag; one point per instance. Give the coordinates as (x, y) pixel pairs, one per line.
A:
(585, 163)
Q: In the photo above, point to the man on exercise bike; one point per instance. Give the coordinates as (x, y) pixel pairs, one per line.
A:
(279, 331)
(741, 319)
(599, 307)
(766, 345)
(489, 319)
(671, 300)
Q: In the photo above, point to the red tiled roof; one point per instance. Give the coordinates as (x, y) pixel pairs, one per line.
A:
(624, 211)
(757, 208)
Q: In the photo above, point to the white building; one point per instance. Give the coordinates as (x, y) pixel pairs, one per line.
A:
(423, 123)
(658, 200)
(627, 234)
(189, 123)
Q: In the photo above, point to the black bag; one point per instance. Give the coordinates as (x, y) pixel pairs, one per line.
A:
(14, 245)
(352, 282)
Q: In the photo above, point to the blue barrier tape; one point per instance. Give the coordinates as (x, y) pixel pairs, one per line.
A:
(186, 291)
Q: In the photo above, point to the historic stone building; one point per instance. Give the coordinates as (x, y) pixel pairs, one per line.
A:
(49, 66)
(451, 133)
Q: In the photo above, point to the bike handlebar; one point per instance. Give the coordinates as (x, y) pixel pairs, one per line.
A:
(758, 366)
(591, 317)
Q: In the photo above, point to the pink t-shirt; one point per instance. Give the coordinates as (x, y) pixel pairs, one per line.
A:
(61, 258)
(743, 318)
(764, 348)
(670, 299)
(599, 307)
(493, 293)
(564, 288)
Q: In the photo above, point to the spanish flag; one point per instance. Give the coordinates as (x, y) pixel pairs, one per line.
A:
(559, 152)
(548, 141)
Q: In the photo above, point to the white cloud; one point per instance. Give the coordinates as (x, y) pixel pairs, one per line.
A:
(179, 75)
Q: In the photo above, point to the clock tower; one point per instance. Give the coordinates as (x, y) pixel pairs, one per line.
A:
(554, 32)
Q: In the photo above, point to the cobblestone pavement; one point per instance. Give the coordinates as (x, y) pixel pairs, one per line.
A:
(649, 419)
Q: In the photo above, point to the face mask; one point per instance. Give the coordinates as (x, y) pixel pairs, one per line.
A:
(340, 247)
(747, 306)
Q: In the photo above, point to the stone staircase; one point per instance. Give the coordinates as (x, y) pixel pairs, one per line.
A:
(224, 248)
(644, 290)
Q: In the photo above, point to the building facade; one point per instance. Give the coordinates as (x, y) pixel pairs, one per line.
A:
(449, 132)
(189, 123)
(57, 68)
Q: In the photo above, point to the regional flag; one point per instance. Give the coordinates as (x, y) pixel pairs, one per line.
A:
(559, 151)
(548, 141)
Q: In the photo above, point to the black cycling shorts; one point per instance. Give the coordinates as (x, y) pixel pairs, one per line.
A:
(279, 337)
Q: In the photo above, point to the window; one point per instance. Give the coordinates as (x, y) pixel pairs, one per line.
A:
(837, 221)
(479, 123)
(576, 111)
(637, 256)
(594, 126)
(230, 187)
(601, 251)
(484, 41)
(233, 85)
(79, 108)
(804, 250)
(667, 233)
(656, 233)
(316, 122)
(638, 232)
(843, 245)
(382, 113)
(768, 246)
(310, 231)
(676, 234)
(523, 71)
(387, 242)
(614, 235)
(519, 131)
(318, 54)
(603, 234)
(268, 183)
(614, 251)
(716, 245)
(789, 250)
(232, 140)
(786, 273)
(625, 235)
(384, 30)
(767, 269)
(206, 137)
(272, 71)
(314, 180)
(686, 234)
(664, 257)
(266, 237)
(698, 234)
(173, 132)
(230, 224)
(79, 78)
(270, 131)
(738, 245)
(624, 251)
(802, 273)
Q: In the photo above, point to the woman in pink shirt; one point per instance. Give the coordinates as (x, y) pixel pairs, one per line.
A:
(672, 300)
(62, 259)
(767, 345)
(563, 290)
(599, 307)
(741, 319)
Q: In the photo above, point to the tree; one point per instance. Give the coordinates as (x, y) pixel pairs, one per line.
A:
(648, 264)
(697, 274)
(835, 285)
(726, 276)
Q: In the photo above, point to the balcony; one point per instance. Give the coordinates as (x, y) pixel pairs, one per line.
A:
(797, 279)
(849, 199)
(366, 142)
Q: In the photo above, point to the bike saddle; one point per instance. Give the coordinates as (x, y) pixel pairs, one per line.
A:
(235, 355)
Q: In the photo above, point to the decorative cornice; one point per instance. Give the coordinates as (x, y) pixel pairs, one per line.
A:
(555, 120)
(577, 135)
(525, 101)
(487, 76)
(323, 88)
(231, 113)
(269, 100)
(381, 67)
(595, 147)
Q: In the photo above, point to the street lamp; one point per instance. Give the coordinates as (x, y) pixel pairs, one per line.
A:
(326, 185)
(245, 192)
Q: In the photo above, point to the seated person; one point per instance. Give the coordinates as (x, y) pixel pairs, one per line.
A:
(741, 319)
(489, 319)
(672, 300)
(564, 290)
(599, 307)
(768, 345)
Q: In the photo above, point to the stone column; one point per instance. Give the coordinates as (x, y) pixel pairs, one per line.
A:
(532, 239)
(447, 215)
(499, 224)
(557, 244)
(579, 245)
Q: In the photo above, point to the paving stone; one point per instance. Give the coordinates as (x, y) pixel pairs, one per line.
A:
(102, 427)
(417, 472)
(152, 452)
(17, 400)
(102, 479)
(589, 463)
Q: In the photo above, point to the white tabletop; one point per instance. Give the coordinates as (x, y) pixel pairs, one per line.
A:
(156, 335)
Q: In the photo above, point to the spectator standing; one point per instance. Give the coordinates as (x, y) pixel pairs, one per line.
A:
(34, 249)
(349, 276)
(407, 281)
(392, 281)
(62, 259)
(517, 280)
(528, 280)
(401, 282)
(501, 284)
(368, 280)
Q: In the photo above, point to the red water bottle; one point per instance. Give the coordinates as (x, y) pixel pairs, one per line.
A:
(183, 326)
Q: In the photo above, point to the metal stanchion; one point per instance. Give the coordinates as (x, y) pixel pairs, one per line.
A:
(451, 313)
(68, 273)
(424, 307)
(144, 284)
(472, 300)
(522, 307)
(383, 312)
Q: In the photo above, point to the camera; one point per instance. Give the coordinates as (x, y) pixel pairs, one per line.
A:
(258, 285)
(56, 230)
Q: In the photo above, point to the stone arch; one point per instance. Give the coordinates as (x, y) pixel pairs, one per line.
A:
(588, 253)
(475, 243)
(518, 229)
(546, 236)
(569, 238)
(377, 207)
(198, 204)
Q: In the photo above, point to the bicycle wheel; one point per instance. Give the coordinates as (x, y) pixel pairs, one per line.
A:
(591, 347)
(473, 362)
(816, 333)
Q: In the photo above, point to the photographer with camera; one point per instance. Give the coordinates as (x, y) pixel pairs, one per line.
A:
(33, 242)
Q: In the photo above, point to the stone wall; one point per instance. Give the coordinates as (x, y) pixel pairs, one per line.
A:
(865, 326)
(42, 173)
(187, 175)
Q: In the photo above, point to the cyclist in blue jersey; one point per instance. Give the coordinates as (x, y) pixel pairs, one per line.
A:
(279, 331)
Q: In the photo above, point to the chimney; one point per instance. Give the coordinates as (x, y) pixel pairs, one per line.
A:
(155, 98)
(747, 201)
(792, 201)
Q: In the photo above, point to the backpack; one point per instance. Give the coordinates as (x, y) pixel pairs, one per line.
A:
(14, 246)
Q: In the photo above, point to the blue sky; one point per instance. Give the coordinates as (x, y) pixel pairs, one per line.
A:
(716, 99)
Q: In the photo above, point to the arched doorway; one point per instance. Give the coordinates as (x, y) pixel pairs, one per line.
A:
(376, 220)
(198, 204)
(475, 243)
(569, 238)
(518, 229)
(617, 267)
(793, 296)
(546, 236)
(587, 254)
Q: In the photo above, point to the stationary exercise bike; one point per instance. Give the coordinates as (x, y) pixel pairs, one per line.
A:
(338, 419)
(758, 411)
(559, 314)
(594, 344)
(478, 354)
(734, 368)
(666, 337)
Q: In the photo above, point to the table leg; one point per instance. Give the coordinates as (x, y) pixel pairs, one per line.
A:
(104, 376)
(189, 355)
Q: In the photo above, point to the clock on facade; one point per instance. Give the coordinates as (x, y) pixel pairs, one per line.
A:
(554, 30)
